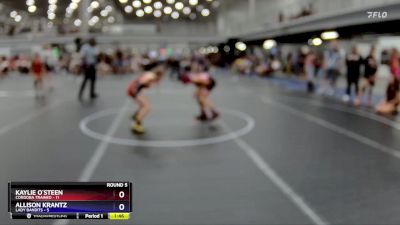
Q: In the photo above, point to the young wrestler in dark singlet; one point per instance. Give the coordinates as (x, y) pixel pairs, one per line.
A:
(135, 90)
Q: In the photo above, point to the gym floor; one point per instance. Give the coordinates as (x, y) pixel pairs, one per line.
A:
(274, 157)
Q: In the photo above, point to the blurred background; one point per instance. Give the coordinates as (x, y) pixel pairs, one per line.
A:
(223, 30)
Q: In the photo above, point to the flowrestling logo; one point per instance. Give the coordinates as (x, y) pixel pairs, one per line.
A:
(377, 14)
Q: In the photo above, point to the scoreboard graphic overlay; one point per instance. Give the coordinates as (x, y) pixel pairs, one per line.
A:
(70, 200)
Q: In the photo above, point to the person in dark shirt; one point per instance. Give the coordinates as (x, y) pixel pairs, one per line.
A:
(175, 68)
(370, 69)
(353, 62)
(89, 54)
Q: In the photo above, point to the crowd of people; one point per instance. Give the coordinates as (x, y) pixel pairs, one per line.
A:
(321, 68)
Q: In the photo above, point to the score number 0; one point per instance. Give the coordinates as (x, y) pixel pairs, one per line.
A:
(121, 195)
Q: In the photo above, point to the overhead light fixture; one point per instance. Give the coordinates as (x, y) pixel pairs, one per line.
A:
(315, 41)
(186, 10)
(52, 2)
(104, 13)
(69, 10)
(89, 9)
(212, 49)
(157, 5)
(52, 7)
(170, 1)
(128, 9)
(205, 12)
(147, 1)
(136, 4)
(51, 16)
(95, 19)
(179, 5)
(157, 13)
(193, 2)
(193, 16)
(111, 19)
(199, 8)
(30, 2)
(215, 4)
(227, 48)
(269, 44)
(240, 46)
(77, 22)
(167, 10)
(123, 1)
(139, 13)
(32, 9)
(329, 35)
(148, 9)
(13, 14)
(175, 15)
(18, 18)
(108, 8)
(95, 4)
(73, 5)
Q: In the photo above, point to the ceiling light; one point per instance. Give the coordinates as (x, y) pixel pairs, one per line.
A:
(329, 35)
(136, 4)
(268, 44)
(227, 48)
(128, 9)
(316, 41)
(18, 18)
(199, 8)
(148, 9)
(179, 5)
(73, 5)
(51, 16)
(240, 46)
(215, 4)
(13, 14)
(205, 12)
(157, 13)
(186, 10)
(167, 10)
(170, 1)
(104, 13)
(108, 8)
(52, 2)
(30, 2)
(95, 4)
(123, 1)
(193, 2)
(32, 9)
(147, 1)
(111, 19)
(157, 5)
(77, 22)
(192, 16)
(175, 15)
(95, 19)
(139, 13)
(53, 7)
